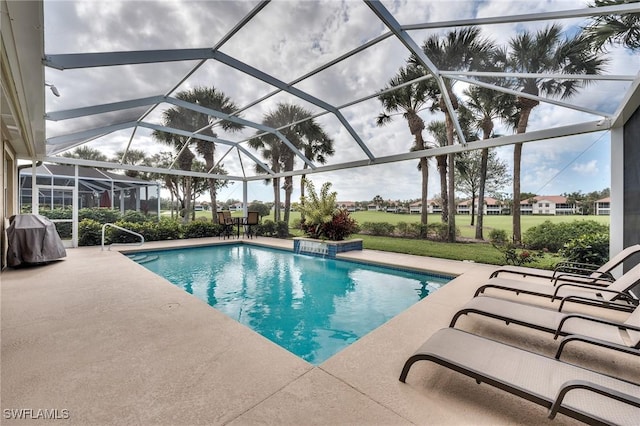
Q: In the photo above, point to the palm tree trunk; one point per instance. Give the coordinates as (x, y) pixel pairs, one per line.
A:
(473, 209)
(517, 159)
(302, 180)
(288, 189)
(525, 111)
(451, 222)
(276, 200)
(442, 169)
(483, 179)
(424, 169)
(214, 199)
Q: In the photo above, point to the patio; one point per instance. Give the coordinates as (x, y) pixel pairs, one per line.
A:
(110, 342)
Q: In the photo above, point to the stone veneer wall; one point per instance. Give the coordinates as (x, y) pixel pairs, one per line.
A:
(334, 247)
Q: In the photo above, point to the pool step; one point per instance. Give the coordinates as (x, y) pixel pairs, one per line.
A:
(142, 258)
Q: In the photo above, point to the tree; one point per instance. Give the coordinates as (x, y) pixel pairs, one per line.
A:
(439, 132)
(544, 52)
(461, 49)
(306, 135)
(614, 29)
(469, 167)
(86, 153)
(409, 100)
(484, 106)
(378, 200)
(136, 157)
(186, 119)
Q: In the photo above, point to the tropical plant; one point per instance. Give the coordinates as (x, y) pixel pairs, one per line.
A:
(408, 100)
(605, 30)
(304, 134)
(322, 219)
(544, 52)
(462, 49)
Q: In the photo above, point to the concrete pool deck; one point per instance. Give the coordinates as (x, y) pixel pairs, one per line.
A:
(102, 340)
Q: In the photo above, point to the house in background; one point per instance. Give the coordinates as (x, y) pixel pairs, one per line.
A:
(603, 206)
(349, 206)
(491, 206)
(555, 205)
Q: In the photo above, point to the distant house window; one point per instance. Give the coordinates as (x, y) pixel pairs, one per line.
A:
(546, 205)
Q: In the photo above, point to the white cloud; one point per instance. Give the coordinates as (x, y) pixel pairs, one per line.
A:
(588, 168)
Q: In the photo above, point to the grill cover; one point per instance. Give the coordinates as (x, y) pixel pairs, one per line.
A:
(33, 239)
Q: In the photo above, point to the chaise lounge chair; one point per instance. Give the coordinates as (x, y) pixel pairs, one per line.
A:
(617, 291)
(552, 321)
(573, 271)
(583, 394)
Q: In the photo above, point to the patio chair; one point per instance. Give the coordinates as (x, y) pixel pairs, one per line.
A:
(253, 218)
(574, 271)
(617, 291)
(556, 322)
(227, 224)
(585, 395)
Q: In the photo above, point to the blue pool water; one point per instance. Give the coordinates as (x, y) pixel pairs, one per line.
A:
(310, 306)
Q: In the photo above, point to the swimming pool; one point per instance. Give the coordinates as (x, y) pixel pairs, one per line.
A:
(310, 306)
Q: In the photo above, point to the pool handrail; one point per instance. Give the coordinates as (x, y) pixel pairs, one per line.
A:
(122, 229)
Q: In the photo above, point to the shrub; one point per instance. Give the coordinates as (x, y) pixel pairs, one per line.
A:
(266, 229)
(200, 229)
(383, 229)
(133, 216)
(296, 224)
(340, 227)
(89, 233)
(553, 237)
(402, 229)
(590, 248)
(281, 229)
(439, 231)
(418, 230)
(498, 236)
(167, 229)
(101, 215)
(517, 256)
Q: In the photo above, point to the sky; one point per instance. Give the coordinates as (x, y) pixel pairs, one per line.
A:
(288, 39)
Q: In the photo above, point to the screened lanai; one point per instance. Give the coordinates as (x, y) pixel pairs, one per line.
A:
(96, 188)
(117, 79)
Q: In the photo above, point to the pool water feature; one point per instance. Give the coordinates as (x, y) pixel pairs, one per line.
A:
(311, 306)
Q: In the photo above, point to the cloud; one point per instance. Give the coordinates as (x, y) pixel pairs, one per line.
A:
(588, 168)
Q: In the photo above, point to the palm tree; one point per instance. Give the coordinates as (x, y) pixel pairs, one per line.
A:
(544, 52)
(187, 119)
(485, 106)
(86, 153)
(614, 29)
(409, 100)
(378, 200)
(134, 157)
(461, 49)
(307, 136)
